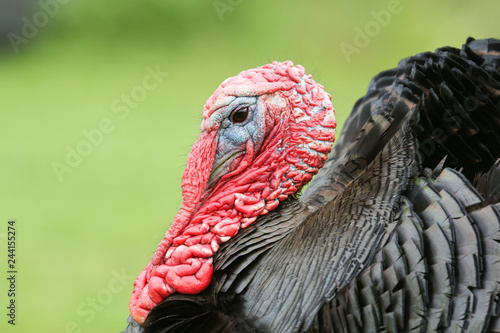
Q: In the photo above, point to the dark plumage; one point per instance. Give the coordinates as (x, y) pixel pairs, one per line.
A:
(399, 231)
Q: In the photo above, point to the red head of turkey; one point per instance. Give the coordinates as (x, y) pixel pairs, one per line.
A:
(264, 134)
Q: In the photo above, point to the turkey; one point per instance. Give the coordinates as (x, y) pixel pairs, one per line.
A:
(398, 231)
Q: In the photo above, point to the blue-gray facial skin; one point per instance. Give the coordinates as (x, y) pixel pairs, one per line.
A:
(242, 125)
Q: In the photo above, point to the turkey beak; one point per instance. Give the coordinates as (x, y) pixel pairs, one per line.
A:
(221, 166)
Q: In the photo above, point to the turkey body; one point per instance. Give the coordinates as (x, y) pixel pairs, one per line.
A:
(400, 230)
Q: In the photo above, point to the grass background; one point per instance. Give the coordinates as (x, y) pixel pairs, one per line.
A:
(106, 217)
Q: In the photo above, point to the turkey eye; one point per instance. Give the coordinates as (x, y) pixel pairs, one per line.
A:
(240, 115)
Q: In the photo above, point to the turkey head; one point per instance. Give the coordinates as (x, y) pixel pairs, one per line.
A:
(264, 134)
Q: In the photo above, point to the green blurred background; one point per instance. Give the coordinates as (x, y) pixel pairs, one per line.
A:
(84, 232)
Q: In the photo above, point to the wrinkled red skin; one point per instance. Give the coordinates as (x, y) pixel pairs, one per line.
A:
(300, 130)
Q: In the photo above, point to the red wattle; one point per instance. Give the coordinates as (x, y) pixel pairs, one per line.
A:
(193, 183)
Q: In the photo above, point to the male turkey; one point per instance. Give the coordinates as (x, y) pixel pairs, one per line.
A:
(399, 230)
